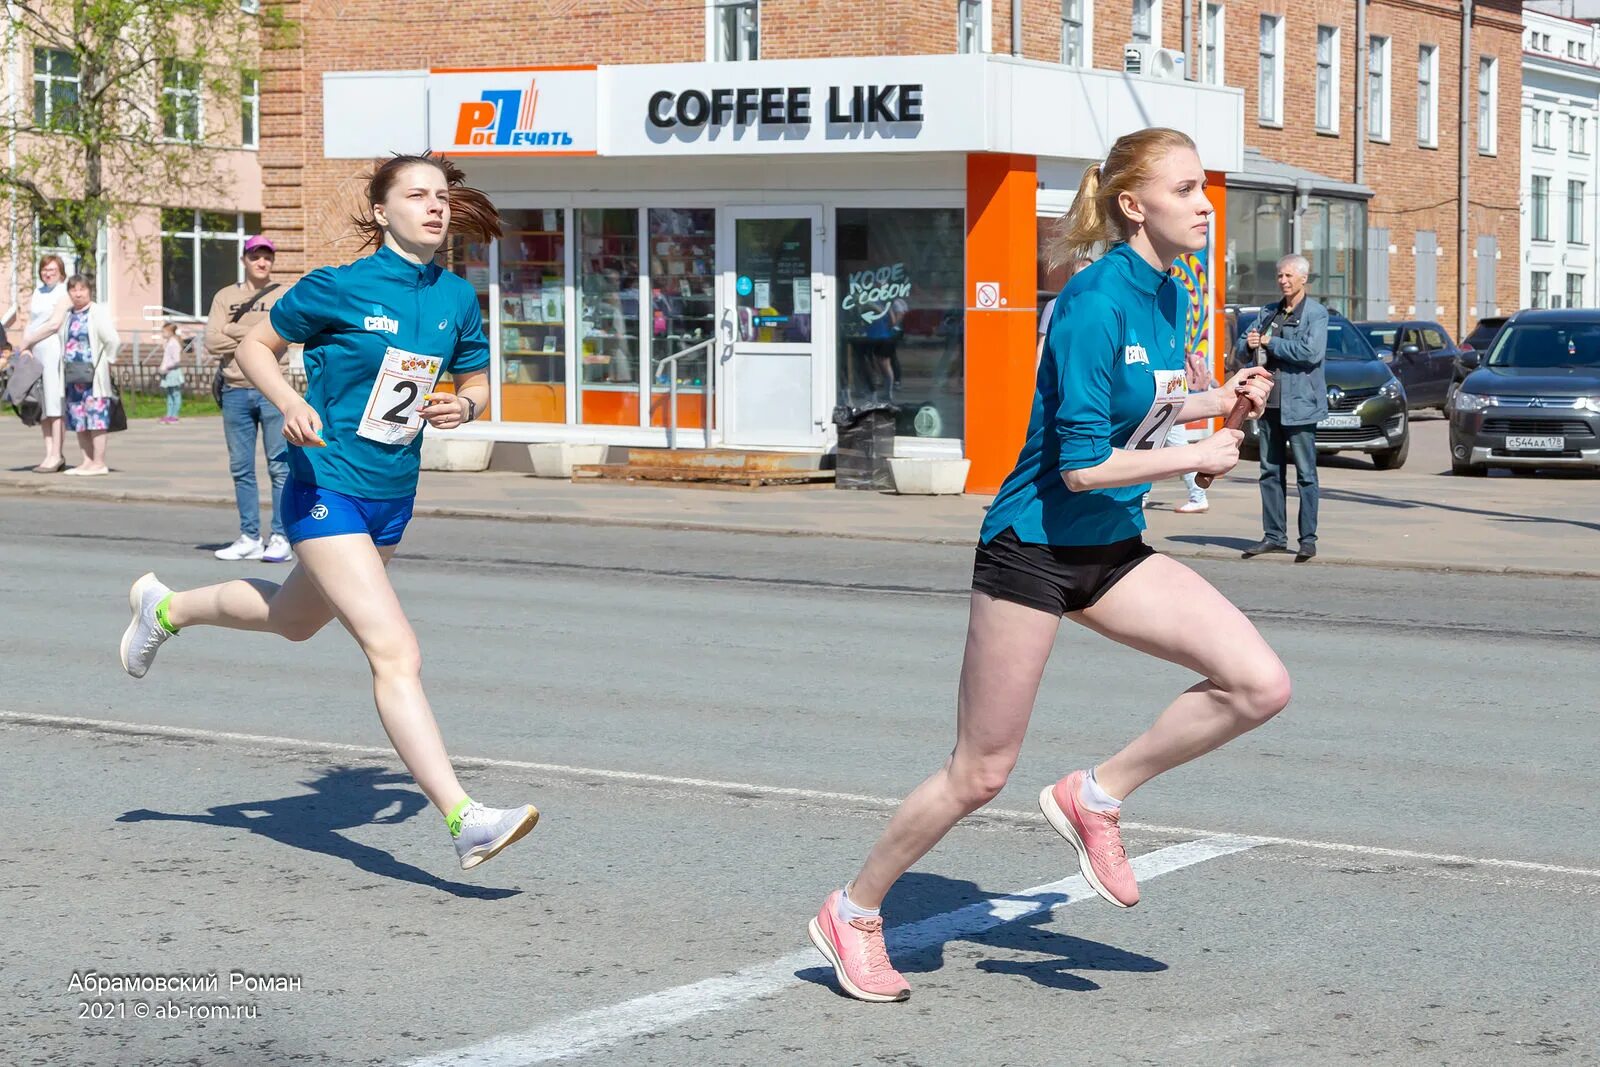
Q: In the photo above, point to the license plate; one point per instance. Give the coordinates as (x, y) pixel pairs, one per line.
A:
(1340, 422)
(1536, 444)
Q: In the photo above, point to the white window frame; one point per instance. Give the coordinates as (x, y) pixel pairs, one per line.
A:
(1577, 195)
(1334, 38)
(1154, 11)
(1274, 115)
(250, 79)
(1488, 105)
(1578, 135)
(1213, 40)
(1085, 26)
(193, 233)
(1379, 84)
(170, 95)
(1575, 300)
(985, 28)
(1428, 77)
(714, 50)
(1534, 299)
(1536, 223)
(49, 79)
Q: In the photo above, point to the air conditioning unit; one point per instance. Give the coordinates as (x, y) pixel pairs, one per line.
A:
(1151, 62)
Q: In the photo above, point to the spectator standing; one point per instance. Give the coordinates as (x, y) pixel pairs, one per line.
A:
(47, 310)
(245, 412)
(1291, 339)
(171, 372)
(89, 343)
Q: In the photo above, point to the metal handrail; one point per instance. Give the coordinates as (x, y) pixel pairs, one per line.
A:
(672, 391)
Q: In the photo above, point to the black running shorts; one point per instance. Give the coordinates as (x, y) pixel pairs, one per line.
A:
(1053, 578)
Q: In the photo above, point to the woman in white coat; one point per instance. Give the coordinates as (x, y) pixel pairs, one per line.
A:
(47, 310)
(89, 343)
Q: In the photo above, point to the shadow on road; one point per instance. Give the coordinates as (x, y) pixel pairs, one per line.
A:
(920, 896)
(1349, 496)
(340, 798)
(1240, 543)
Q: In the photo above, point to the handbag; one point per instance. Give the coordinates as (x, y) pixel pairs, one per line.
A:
(219, 381)
(77, 372)
(117, 414)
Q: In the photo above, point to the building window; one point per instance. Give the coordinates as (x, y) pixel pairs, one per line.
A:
(969, 26)
(1147, 22)
(250, 7)
(1541, 207)
(1269, 90)
(1578, 135)
(1333, 238)
(1574, 290)
(1212, 38)
(1539, 286)
(200, 253)
(1539, 128)
(1488, 104)
(1575, 231)
(1378, 88)
(55, 89)
(1427, 96)
(182, 118)
(250, 109)
(1075, 33)
(900, 339)
(735, 30)
(1259, 234)
(1328, 79)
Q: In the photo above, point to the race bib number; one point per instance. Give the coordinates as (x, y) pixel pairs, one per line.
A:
(1172, 389)
(403, 380)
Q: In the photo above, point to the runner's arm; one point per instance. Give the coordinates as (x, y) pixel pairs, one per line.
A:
(257, 357)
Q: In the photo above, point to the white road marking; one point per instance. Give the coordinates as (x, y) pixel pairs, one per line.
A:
(603, 1027)
(711, 785)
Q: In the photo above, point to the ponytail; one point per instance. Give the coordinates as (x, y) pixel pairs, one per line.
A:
(1095, 219)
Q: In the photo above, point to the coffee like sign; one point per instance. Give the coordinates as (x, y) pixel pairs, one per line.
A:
(855, 105)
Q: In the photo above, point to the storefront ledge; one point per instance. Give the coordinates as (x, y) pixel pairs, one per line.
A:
(555, 459)
(455, 453)
(929, 477)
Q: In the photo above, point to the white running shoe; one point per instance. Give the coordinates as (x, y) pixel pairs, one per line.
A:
(144, 634)
(485, 831)
(244, 548)
(278, 550)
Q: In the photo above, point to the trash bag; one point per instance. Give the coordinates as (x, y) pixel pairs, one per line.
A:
(866, 441)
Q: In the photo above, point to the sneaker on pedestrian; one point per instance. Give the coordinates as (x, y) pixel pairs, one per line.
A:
(483, 832)
(244, 548)
(859, 956)
(278, 550)
(146, 633)
(1193, 507)
(1096, 837)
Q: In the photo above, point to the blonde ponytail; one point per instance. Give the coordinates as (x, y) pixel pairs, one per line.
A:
(1095, 219)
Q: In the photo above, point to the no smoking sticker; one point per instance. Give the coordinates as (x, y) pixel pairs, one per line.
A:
(986, 295)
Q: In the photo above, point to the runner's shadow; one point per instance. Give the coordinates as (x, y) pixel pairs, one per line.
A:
(341, 798)
(920, 925)
(1240, 543)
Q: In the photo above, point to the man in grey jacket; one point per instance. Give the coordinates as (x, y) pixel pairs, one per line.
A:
(1291, 339)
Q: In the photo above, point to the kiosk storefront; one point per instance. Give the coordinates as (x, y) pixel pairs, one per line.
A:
(811, 232)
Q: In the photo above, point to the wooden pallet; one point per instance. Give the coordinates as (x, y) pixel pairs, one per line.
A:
(696, 477)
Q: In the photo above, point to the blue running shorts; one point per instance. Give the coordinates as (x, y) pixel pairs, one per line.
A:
(311, 511)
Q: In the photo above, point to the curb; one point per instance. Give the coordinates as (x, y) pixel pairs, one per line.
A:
(107, 495)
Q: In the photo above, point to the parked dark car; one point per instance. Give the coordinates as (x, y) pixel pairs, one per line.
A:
(1479, 340)
(1420, 353)
(1534, 399)
(1366, 402)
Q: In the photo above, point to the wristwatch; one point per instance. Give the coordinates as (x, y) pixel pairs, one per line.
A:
(472, 408)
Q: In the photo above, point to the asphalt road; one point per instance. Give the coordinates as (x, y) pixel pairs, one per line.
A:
(1402, 868)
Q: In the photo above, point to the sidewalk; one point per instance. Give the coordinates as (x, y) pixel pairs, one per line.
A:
(1420, 517)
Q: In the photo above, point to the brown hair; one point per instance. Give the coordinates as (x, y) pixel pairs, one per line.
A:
(1095, 218)
(470, 210)
(77, 280)
(61, 265)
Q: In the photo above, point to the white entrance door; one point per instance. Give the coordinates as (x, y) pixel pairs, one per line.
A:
(774, 318)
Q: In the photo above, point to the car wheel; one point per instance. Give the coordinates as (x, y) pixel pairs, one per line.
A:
(1450, 397)
(1394, 458)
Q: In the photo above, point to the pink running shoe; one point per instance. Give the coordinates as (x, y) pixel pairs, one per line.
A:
(1097, 838)
(859, 957)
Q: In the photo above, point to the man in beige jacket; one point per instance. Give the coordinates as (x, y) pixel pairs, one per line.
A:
(234, 310)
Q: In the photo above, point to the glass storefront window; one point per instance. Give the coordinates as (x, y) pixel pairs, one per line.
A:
(683, 307)
(772, 258)
(1334, 239)
(608, 316)
(1258, 236)
(470, 260)
(900, 334)
(533, 281)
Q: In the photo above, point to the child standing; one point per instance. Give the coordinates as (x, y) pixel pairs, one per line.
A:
(171, 373)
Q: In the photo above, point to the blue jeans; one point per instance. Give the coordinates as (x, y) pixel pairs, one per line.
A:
(1278, 443)
(174, 400)
(242, 411)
